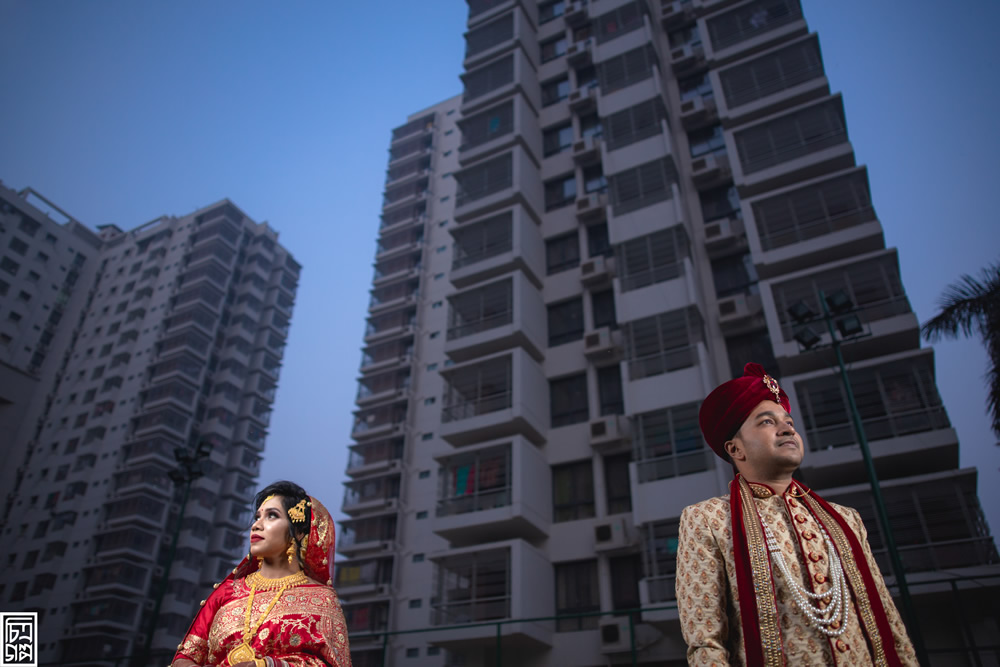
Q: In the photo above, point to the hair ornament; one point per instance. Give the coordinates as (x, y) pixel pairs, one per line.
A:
(298, 513)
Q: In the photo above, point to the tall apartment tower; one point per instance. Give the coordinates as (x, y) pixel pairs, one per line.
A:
(617, 213)
(143, 344)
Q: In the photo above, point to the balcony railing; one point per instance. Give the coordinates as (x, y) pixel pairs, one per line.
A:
(482, 324)
(662, 362)
(671, 465)
(480, 406)
(471, 611)
(878, 428)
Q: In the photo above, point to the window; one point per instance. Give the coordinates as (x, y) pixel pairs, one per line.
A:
(557, 139)
(481, 81)
(609, 390)
(653, 258)
(586, 77)
(636, 123)
(18, 246)
(487, 126)
(560, 192)
(550, 10)
(481, 309)
(553, 48)
(573, 491)
(593, 179)
(749, 20)
(668, 443)
(694, 87)
(663, 343)
(590, 126)
(14, 316)
(642, 186)
(9, 265)
(577, 592)
(686, 36)
(706, 140)
(598, 243)
(562, 253)
(487, 36)
(719, 203)
(815, 210)
(791, 136)
(28, 226)
(555, 91)
(565, 321)
(734, 274)
(413, 652)
(894, 399)
(755, 345)
(628, 68)
(772, 73)
(661, 539)
(619, 21)
(617, 484)
(625, 574)
(568, 400)
(485, 179)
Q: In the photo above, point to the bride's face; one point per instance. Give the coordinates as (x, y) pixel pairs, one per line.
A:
(269, 534)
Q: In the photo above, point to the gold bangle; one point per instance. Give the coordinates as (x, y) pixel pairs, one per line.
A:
(260, 662)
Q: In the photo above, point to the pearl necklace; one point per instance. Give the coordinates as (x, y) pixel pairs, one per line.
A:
(831, 621)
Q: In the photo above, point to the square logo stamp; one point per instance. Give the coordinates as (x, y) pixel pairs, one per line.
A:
(18, 639)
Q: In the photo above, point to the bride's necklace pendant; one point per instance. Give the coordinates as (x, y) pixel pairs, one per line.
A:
(242, 653)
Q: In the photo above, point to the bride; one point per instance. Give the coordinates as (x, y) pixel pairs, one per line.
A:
(278, 607)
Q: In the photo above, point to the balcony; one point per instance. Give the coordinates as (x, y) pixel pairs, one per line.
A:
(811, 223)
(494, 492)
(389, 331)
(494, 317)
(510, 579)
(369, 534)
(118, 576)
(495, 397)
(372, 364)
(497, 183)
(376, 457)
(364, 578)
(502, 243)
(751, 27)
(804, 143)
(371, 494)
(382, 421)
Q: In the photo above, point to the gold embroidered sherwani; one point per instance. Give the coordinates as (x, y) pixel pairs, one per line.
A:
(708, 599)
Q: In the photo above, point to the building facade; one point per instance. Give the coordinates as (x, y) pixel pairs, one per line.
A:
(143, 346)
(624, 206)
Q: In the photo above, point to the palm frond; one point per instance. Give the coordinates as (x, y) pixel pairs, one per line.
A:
(966, 306)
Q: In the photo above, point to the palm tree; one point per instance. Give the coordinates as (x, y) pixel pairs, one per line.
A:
(973, 305)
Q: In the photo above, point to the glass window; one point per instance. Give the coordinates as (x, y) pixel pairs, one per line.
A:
(706, 140)
(568, 400)
(616, 482)
(609, 390)
(586, 77)
(719, 203)
(551, 10)
(555, 91)
(593, 179)
(598, 242)
(573, 491)
(560, 192)
(577, 592)
(565, 321)
(557, 139)
(562, 253)
(590, 126)
(553, 48)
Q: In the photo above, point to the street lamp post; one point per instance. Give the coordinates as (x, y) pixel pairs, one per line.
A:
(187, 471)
(852, 325)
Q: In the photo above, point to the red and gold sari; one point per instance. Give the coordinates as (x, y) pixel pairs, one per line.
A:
(305, 627)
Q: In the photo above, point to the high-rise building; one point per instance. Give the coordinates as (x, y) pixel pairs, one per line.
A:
(622, 208)
(141, 348)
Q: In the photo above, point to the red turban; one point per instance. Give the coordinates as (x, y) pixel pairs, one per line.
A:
(728, 406)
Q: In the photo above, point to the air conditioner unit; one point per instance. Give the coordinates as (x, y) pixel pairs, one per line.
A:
(591, 208)
(587, 149)
(737, 310)
(710, 168)
(616, 637)
(614, 534)
(579, 53)
(596, 270)
(583, 98)
(675, 13)
(576, 13)
(696, 110)
(610, 430)
(602, 345)
(686, 57)
(724, 234)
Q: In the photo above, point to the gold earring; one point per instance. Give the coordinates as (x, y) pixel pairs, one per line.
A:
(291, 552)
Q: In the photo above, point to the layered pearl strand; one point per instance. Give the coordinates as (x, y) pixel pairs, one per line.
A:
(831, 621)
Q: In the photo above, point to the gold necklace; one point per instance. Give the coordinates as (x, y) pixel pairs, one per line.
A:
(242, 652)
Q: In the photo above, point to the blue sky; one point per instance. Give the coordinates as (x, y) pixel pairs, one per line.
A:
(122, 111)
